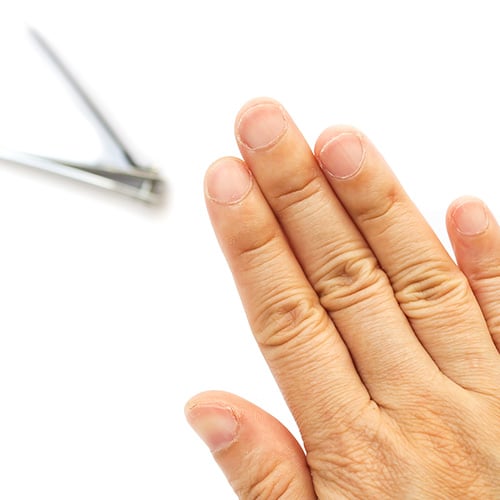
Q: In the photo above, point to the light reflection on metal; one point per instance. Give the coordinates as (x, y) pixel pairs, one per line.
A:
(123, 175)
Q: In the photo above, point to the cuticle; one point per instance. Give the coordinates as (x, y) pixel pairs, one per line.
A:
(234, 413)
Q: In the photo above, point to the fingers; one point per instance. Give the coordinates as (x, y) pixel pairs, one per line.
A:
(296, 336)
(341, 268)
(258, 455)
(307, 245)
(430, 289)
(475, 236)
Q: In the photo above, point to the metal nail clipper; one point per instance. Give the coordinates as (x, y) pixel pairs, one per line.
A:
(123, 174)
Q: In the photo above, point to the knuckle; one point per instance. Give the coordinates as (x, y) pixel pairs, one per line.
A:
(426, 287)
(350, 280)
(295, 191)
(453, 445)
(259, 252)
(272, 481)
(493, 321)
(256, 246)
(486, 284)
(364, 450)
(485, 280)
(289, 317)
(487, 272)
(387, 203)
(359, 428)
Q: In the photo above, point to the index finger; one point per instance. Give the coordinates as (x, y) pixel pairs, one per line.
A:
(304, 350)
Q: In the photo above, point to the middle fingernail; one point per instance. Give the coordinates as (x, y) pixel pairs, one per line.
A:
(261, 126)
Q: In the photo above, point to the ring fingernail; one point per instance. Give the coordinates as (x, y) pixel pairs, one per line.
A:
(343, 155)
(470, 218)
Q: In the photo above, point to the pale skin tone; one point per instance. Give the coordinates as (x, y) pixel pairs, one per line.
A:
(385, 350)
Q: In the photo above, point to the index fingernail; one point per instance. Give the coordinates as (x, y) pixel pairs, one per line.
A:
(228, 181)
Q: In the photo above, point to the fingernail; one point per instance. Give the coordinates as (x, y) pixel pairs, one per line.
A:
(343, 155)
(228, 181)
(470, 218)
(217, 426)
(261, 126)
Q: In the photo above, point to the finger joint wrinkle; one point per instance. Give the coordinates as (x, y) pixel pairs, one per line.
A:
(353, 280)
(294, 194)
(259, 245)
(295, 317)
(433, 289)
(382, 211)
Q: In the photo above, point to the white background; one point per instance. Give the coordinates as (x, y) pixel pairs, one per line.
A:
(113, 314)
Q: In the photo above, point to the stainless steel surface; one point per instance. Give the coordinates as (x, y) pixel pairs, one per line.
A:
(122, 174)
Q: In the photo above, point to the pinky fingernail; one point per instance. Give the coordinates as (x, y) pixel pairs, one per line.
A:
(470, 218)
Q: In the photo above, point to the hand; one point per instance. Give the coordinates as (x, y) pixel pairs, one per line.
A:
(386, 351)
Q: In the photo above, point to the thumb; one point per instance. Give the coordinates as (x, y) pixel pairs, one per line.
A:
(258, 455)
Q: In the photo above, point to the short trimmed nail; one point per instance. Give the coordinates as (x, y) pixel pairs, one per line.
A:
(261, 126)
(343, 155)
(470, 218)
(217, 426)
(228, 181)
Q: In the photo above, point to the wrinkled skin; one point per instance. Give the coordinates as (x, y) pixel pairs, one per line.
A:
(386, 351)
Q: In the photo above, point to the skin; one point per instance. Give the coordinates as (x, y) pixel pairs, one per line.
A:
(386, 351)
